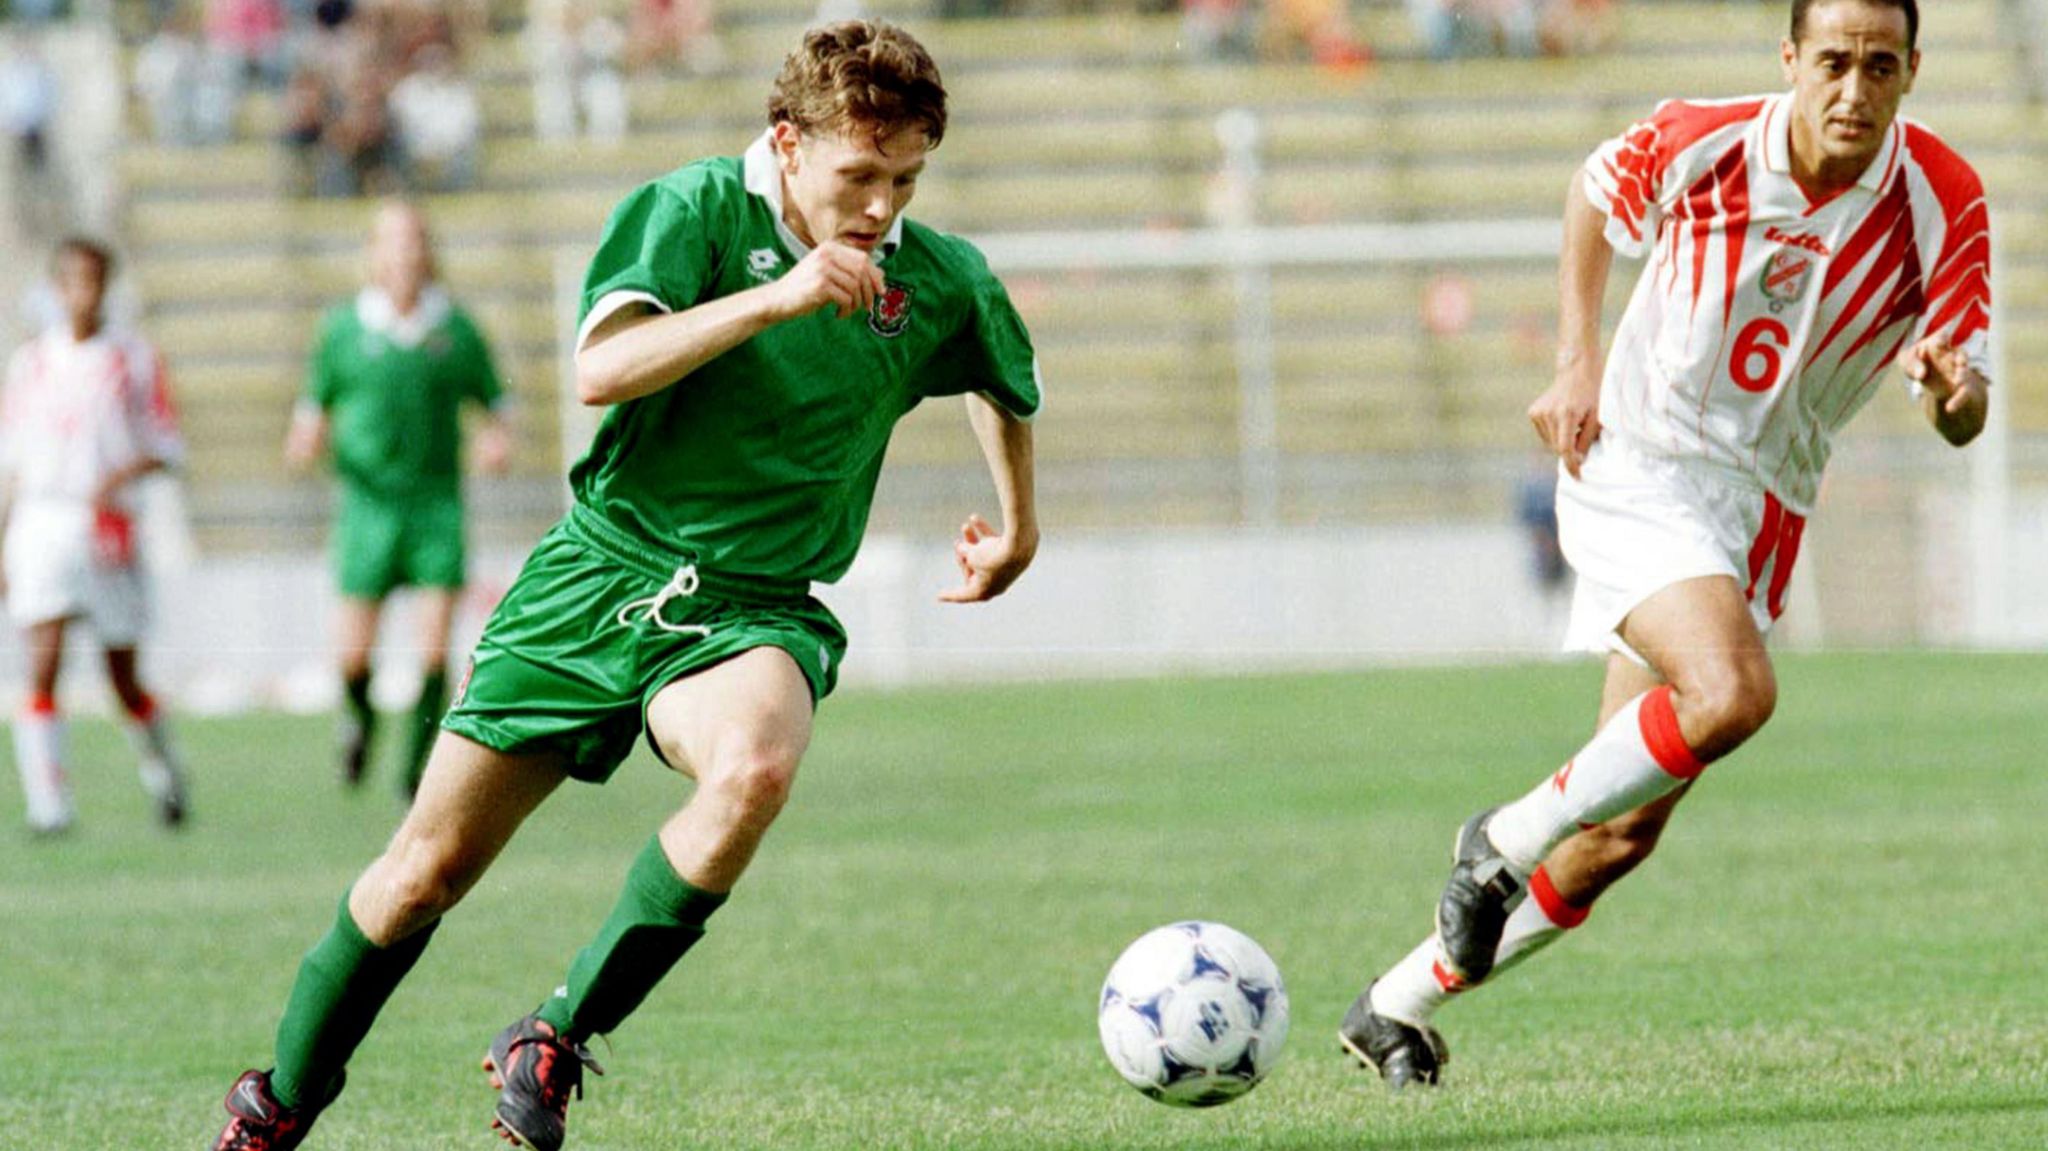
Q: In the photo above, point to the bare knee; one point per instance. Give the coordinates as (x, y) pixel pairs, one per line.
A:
(754, 777)
(1725, 704)
(415, 882)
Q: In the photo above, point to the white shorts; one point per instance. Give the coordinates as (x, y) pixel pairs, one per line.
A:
(1634, 524)
(59, 567)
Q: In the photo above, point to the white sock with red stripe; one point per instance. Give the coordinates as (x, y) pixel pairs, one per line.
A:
(150, 736)
(1639, 756)
(39, 757)
(1414, 988)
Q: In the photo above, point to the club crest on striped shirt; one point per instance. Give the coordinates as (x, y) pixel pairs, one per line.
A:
(890, 313)
(1785, 277)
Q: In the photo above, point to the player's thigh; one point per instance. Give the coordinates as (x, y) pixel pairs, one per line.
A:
(355, 625)
(1700, 636)
(756, 705)
(436, 615)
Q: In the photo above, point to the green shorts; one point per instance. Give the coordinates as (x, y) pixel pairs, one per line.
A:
(572, 657)
(382, 542)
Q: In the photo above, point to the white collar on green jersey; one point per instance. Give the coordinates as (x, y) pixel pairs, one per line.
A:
(1778, 145)
(764, 179)
(375, 311)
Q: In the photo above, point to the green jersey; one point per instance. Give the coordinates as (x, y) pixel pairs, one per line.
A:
(762, 463)
(392, 388)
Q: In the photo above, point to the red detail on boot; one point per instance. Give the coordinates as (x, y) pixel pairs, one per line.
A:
(1446, 978)
(1553, 905)
(1667, 745)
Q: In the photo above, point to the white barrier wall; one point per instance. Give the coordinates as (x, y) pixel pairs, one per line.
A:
(253, 632)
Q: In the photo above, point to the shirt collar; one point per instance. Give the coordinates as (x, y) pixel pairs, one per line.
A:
(763, 177)
(376, 312)
(1778, 145)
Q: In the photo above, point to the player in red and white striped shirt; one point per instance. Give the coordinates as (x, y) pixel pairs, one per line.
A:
(1799, 246)
(85, 411)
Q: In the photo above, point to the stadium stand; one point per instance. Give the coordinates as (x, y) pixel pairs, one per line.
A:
(1065, 121)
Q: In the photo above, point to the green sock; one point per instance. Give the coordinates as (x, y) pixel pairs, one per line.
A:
(342, 984)
(426, 723)
(657, 918)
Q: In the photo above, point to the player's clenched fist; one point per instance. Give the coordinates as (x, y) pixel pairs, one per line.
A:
(1567, 415)
(834, 274)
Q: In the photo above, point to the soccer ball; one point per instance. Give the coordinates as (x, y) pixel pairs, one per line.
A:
(1193, 1014)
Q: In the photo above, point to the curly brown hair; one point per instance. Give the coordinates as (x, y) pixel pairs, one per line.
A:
(860, 75)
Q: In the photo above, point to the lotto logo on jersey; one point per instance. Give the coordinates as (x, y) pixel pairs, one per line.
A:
(763, 264)
(890, 313)
(1785, 277)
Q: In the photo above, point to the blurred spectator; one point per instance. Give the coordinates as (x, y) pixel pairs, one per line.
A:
(305, 126)
(439, 122)
(1317, 29)
(357, 147)
(668, 33)
(1577, 27)
(577, 85)
(34, 11)
(28, 112)
(190, 92)
(251, 34)
(1220, 29)
(1454, 28)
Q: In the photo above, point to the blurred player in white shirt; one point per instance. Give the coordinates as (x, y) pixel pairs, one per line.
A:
(1799, 246)
(85, 411)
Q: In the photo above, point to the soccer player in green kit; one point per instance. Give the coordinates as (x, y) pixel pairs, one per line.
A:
(390, 372)
(755, 326)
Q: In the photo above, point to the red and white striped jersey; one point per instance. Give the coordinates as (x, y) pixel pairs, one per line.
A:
(72, 412)
(1763, 320)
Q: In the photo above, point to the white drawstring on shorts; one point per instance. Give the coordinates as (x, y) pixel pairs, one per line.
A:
(682, 585)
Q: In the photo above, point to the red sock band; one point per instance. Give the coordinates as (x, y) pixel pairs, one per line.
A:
(145, 711)
(41, 704)
(1660, 732)
(1565, 915)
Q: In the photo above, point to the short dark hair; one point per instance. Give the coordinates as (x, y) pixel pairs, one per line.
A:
(1910, 7)
(89, 248)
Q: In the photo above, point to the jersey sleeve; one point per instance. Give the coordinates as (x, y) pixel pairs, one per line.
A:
(480, 381)
(658, 250)
(991, 354)
(1959, 289)
(151, 413)
(1629, 178)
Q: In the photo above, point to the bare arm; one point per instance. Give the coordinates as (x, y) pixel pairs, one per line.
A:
(640, 353)
(1567, 415)
(990, 561)
(1955, 396)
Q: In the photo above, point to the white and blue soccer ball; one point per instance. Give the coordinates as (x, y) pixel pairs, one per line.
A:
(1193, 1014)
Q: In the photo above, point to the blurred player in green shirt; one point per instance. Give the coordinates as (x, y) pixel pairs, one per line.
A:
(390, 372)
(754, 326)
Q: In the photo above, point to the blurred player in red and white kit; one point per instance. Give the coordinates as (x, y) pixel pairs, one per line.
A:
(85, 411)
(1799, 247)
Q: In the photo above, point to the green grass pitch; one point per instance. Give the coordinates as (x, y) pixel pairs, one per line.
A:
(1840, 945)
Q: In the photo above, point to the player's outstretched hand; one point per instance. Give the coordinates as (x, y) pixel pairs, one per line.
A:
(837, 275)
(303, 443)
(1567, 416)
(989, 562)
(1942, 369)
